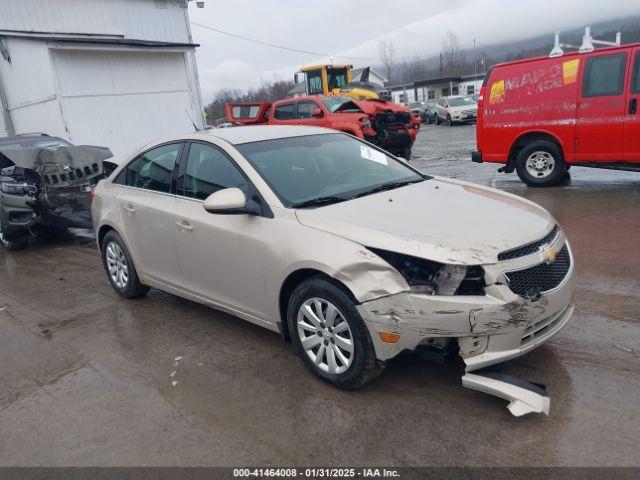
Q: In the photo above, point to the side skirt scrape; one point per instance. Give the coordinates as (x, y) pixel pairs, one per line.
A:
(523, 397)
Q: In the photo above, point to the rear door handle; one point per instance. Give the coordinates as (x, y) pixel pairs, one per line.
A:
(633, 106)
(184, 226)
(130, 210)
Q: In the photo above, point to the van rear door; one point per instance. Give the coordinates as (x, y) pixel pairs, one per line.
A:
(631, 149)
(601, 108)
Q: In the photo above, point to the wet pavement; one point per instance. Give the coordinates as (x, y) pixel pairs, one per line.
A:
(87, 378)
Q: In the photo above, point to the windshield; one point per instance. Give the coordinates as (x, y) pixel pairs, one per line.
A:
(332, 103)
(432, 103)
(460, 101)
(415, 105)
(328, 166)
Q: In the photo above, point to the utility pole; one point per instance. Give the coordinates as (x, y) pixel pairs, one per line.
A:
(441, 64)
(475, 70)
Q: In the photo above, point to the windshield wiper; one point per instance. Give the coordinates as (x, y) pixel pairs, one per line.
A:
(317, 202)
(387, 186)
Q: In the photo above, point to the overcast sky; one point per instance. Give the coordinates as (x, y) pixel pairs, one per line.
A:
(354, 28)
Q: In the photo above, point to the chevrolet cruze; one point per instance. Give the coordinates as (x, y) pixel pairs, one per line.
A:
(347, 251)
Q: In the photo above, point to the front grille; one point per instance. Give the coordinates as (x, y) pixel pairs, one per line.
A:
(529, 248)
(390, 118)
(468, 112)
(531, 282)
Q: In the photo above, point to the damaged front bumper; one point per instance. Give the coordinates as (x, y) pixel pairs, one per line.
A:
(489, 329)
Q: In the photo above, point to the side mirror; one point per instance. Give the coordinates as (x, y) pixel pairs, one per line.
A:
(226, 201)
(317, 113)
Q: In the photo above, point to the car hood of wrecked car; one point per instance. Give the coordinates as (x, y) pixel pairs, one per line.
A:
(72, 155)
(438, 219)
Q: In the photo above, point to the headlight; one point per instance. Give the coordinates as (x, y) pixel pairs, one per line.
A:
(15, 188)
(434, 278)
(366, 123)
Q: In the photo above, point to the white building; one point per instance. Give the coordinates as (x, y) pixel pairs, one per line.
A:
(116, 73)
(374, 77)
(432, 88)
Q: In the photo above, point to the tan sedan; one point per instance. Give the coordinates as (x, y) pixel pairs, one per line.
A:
(349, 252)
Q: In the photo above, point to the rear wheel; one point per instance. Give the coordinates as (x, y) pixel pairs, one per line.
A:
(540, 164)
(121, 272)
(13, 242)
(330, 335)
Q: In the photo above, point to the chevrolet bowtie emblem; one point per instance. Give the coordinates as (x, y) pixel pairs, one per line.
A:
(550, 255)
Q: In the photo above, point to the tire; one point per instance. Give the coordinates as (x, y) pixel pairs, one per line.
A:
(540, 164)
(13, 243)
(116, 261)
(406, 154)
(361, 365)
(449, 121)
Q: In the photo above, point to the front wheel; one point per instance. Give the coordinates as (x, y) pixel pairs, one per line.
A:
(121, 272)
(330, 335)
(13, 243)
(540, 164)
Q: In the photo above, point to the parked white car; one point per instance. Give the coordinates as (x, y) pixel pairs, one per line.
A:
(456, 109)
(344, 249)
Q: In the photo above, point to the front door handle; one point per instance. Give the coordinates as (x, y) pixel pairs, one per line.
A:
(633, 106)
(184, 226)
(130, 210)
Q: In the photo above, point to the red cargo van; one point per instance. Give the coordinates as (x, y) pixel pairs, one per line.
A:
(540, 116)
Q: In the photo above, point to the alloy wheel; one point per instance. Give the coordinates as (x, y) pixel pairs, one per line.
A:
(325, 335)
(117, 265)
(540, 164)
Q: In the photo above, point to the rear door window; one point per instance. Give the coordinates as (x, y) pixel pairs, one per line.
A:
(604, 75)
(153, 170)
(305, 109)
(208, 170)
(284, 112)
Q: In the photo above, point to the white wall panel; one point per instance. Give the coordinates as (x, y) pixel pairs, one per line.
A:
(123, 100)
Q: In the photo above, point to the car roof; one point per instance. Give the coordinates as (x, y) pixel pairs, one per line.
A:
(258, 133)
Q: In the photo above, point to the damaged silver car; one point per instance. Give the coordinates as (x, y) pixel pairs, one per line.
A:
(44, 186)
(344, 249)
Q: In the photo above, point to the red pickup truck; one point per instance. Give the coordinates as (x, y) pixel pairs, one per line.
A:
(388, 125)
(540, 116)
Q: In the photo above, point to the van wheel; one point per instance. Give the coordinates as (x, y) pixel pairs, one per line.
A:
(13, 243)
(540, 164)
(121, 273)
(330, 335)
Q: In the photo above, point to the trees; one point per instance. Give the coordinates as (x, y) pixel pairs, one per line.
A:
(452, 55)
(267, 91)
(387, 57)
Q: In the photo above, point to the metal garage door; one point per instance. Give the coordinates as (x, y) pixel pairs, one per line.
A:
(123, 99)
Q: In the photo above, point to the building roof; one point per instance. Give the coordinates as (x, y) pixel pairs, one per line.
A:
(298, 88)
(94, 39)
(358, 71)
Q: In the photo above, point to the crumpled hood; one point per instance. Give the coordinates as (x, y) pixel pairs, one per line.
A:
(440, 219)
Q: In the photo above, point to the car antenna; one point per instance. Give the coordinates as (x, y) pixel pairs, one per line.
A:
(193, 122)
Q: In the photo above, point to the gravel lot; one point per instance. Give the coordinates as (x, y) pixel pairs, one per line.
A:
(86, 378)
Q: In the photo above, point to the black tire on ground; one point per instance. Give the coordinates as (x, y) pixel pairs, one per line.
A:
(13, 243)
(546, 179)
(406, 154)
(133, 287)
(364, 367)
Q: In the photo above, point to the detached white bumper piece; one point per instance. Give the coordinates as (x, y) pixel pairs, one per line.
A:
(524, 397)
